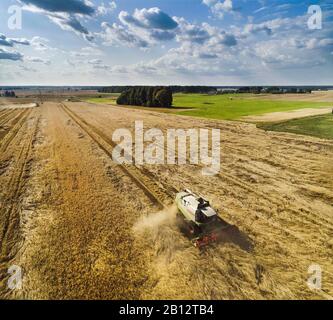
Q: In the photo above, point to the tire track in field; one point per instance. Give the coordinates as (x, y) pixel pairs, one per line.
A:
(159, 197)
(9, 233)
(7, 117)
(17, 125)
(4, 113)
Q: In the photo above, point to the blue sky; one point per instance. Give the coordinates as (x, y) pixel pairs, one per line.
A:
(211, 42)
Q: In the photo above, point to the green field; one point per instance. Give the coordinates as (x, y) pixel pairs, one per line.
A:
(231, 107)
(102, 100)
(227, 107)
(317, 126)
(105, 100)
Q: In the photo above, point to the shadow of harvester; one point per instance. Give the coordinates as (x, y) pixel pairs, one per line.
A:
(219, 232)
(232, 234)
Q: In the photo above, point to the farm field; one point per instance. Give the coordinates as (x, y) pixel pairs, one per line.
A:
(286, 115)
(236, 106)
(318, 126)
(232, 107)
(83, 227)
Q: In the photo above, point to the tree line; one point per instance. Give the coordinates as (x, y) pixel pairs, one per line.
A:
(217, 90)
(8, 94)
(271, 90)
(174, 89)
(147, 97)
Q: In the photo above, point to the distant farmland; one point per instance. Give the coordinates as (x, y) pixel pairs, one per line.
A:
(235, 106)
(230, 106)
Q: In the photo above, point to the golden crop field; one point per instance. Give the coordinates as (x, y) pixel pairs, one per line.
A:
(82, 226)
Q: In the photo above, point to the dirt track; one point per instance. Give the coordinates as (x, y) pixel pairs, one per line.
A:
(83, 227)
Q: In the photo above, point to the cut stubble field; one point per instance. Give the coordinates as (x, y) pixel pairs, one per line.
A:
(81, 226)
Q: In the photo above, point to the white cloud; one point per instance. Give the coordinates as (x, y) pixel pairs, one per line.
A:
(10, 42)
(204, 33)
(64, 13)
(41, 44)
(153, 18)
(116, 34)
(219, 8)
(27, 69)
(37, 60)
(144, 28)
(315, 43)
(148, 27)
(86, 52)
(105, 9)
(69, 22)
(10, 55)
(95, 61)
(64, 6)
(260, 9)
(192, 32)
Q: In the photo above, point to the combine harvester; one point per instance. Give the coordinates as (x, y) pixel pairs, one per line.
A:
(199, 221)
